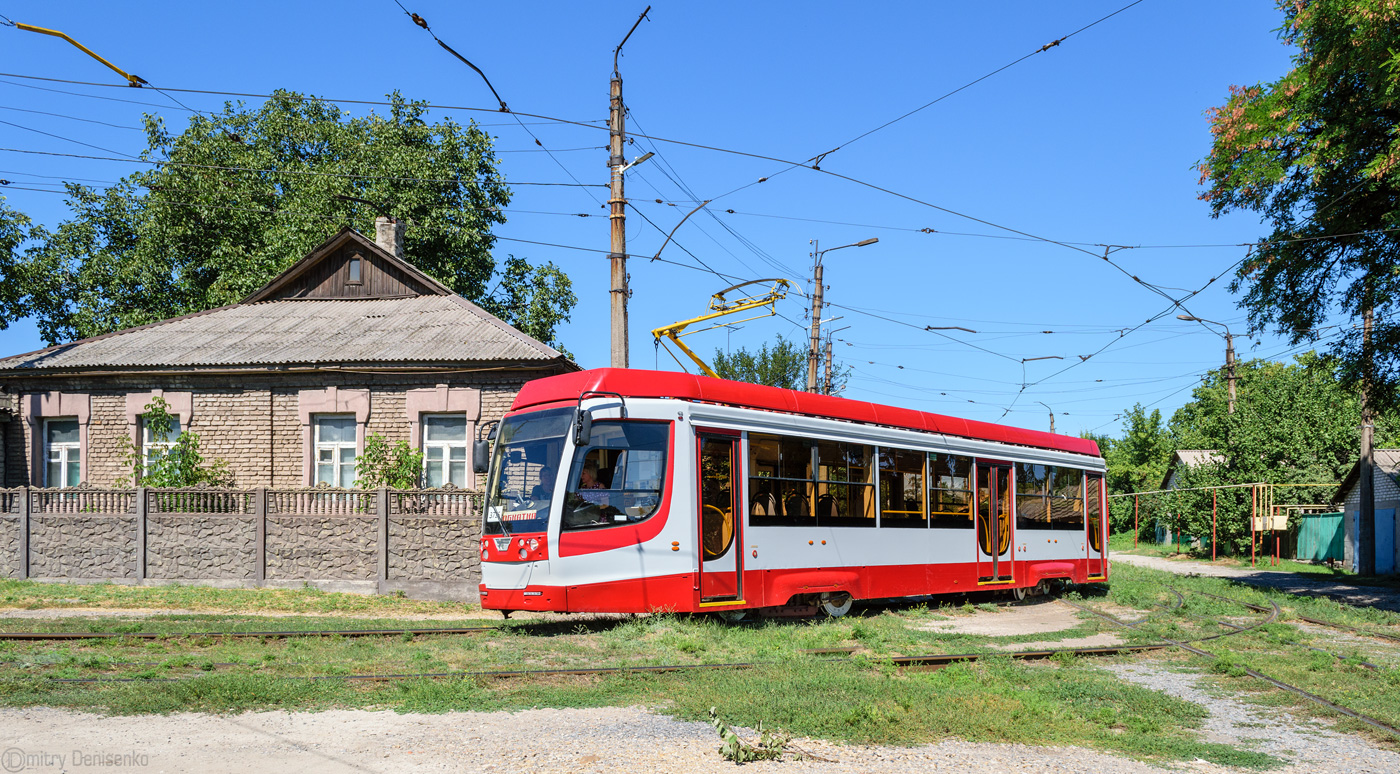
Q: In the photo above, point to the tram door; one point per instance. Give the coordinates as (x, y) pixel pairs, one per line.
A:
(721, 566)
(1094, 519)
(994, 557)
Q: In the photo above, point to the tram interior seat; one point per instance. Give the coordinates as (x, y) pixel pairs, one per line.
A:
(796, 505)
(826, 507)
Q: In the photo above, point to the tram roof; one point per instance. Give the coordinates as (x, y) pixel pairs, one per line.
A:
(636, 383)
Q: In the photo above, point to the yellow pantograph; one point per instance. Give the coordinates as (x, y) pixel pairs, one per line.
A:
(131, 80)
(721, 307)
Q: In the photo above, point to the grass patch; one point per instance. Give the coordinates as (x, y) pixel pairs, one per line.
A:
(34, 595)
(858, 699)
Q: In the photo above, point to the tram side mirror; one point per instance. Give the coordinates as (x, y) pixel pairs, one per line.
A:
(583, 427)
(481, 456)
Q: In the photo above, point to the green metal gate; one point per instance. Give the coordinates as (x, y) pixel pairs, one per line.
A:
(1319, 536)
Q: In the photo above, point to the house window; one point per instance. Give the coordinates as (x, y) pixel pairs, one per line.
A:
(445, 450)
(335, 450)
(354, 269)
(61, 451)
(154, 444)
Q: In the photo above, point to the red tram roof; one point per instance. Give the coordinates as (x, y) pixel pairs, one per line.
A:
(669, 384)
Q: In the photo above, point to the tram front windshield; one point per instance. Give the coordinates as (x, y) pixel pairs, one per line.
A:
(523, 471)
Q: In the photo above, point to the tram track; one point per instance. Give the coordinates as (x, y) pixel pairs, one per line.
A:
(1314, 621)
(235, 634)
(1274, 612)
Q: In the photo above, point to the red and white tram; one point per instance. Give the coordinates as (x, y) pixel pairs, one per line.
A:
(618, 490)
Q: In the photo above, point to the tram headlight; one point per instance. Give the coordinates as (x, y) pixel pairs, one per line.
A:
(483, 553)
(534, 544)
(524, 553)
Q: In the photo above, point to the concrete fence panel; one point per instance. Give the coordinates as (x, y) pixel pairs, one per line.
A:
(423, 543)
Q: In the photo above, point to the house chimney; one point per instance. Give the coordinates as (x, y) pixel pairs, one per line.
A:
(388, 234)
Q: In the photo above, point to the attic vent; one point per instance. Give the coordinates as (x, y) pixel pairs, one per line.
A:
(354, 268)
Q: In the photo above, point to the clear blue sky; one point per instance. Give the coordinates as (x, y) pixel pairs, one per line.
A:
(1092, 142)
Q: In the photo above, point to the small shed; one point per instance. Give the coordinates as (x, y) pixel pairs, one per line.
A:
(1387, 499)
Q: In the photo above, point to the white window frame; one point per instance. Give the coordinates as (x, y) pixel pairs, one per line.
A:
(66, 451)
(337, 464)
(148, 445)
(447, 447)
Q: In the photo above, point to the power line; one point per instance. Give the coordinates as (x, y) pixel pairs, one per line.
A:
(129, 157)
(969, 84)
(284, 171)
(71, 118)
(318, 216)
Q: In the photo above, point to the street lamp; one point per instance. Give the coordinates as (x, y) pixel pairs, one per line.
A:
(813, 348)
(1052, 416)
(1229, 352)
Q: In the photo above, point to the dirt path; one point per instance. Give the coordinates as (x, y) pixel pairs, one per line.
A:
(572, 741)
(1291, 583)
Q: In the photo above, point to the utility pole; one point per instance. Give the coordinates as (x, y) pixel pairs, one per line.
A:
(812, 349)
(617, 215)
(826, 386)
(814, 346)
(1366, 517)
(1052, 416)
(1229, 352)
(1230, 366)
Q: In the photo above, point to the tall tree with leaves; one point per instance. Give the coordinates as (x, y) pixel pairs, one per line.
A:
(15, 230)
(1136, 462)
(1317, 153)
(240, 195)
(782, 365)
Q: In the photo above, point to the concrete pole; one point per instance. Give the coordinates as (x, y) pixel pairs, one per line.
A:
(826, 382)
(1230, 366)
(1366, 516)
(617, 223)
(813, 348)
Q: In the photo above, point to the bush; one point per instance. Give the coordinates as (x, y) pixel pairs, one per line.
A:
(399, 466)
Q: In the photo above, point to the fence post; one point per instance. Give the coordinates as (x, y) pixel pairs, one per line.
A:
(24, 510)
(141, 532)
(260, 541)
(1213, 512)
(1135, 520)
(381, 509)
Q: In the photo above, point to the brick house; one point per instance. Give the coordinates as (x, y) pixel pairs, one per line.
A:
(286, 385)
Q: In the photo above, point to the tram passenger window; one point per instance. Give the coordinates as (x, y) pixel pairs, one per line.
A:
(950, 491)
(780, 481)
(902, 488)
(845, 485)
(1067, 499)
(619, 478)
(1032, 502)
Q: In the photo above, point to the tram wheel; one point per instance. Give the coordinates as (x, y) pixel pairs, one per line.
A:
(836, 604)
(1019, 594)
(734, 616)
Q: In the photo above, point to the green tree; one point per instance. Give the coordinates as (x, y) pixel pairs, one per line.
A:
(15, 230)
(246, 192)
(782, 365)
(1317, 154)
(1136, 462)
(1294, 423)
(178, 464)
(397, 466)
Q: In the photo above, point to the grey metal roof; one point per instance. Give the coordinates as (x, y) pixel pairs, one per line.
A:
(428, 329)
